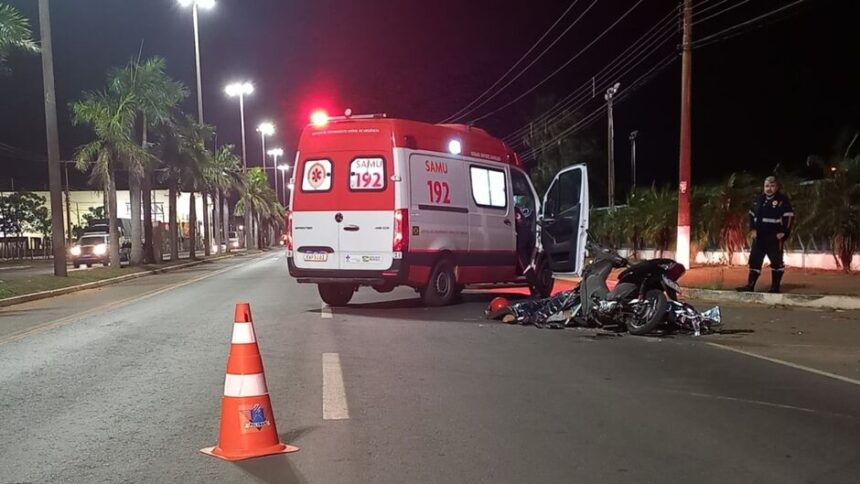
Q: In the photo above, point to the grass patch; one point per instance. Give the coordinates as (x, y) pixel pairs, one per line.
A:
(46, 282)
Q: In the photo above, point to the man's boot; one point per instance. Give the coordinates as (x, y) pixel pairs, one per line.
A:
(750, 287)
(776, 279)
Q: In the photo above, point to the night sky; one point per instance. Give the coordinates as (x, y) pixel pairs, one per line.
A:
(774, 94)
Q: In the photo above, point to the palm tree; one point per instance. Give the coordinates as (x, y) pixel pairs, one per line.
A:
(260, 200)
(15, 35)
(111, 116)
(835, 209)
(222, 176)
(181, 146)
(156, 95)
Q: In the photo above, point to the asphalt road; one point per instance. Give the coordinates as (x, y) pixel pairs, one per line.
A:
(123, 384)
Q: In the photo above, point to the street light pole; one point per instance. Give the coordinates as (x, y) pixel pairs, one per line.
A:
(276, 153)
(58, 244)
(610, 93)
(197, 58)
(240, 89)
(633, 135)
(284, 169)
(265, 129)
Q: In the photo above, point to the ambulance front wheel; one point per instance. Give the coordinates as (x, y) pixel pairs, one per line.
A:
(336, 294)
(441, 289)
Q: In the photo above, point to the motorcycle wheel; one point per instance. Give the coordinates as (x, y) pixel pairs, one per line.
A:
(655, 313)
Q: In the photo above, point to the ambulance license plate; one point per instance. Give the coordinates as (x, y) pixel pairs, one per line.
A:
(316, 256)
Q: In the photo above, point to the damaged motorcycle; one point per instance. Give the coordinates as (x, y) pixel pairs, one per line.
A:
(644, 299)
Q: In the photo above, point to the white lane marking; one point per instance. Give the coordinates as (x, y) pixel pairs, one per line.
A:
(767, 404)
(325, 311)
(789, 364)
(334, 393)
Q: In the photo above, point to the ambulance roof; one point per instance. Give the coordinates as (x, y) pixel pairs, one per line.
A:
(366, 133)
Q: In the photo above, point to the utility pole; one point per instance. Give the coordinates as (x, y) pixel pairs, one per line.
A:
(633, 135)
(54, 179)
(610, 93)
(682, 252)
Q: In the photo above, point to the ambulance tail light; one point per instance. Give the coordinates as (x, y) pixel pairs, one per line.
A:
(289, 242)
(401, 230)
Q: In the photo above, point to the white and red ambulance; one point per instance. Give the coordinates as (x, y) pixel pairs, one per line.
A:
(385, 202)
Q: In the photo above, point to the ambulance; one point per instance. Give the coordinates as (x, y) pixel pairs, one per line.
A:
(385, 202)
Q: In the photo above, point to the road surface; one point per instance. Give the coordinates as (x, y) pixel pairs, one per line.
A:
(123, 384)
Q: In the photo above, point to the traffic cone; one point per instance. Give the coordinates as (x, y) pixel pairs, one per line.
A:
(248, 427)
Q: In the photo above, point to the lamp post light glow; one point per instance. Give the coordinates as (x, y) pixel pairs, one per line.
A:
(275, 153)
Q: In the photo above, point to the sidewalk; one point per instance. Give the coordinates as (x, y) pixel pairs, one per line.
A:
(809, 288)
(795, 281)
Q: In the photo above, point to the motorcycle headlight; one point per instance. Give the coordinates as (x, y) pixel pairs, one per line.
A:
(100, 249)
(75, 250)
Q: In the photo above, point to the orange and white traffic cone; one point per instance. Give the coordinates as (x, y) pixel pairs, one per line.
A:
(247, 423)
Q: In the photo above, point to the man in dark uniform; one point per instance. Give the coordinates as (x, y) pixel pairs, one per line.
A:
(771, 219)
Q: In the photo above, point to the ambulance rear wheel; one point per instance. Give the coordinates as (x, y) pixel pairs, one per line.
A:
(336, 294)
(442, 287)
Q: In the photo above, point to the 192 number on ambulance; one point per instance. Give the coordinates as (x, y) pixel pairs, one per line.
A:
(367, 174)
(440, 192)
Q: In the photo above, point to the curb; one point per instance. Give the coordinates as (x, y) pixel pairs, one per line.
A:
(811, 301)
(11, 301)
(794, 300)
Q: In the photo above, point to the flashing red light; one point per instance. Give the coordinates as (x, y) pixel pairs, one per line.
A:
(319, 118)
(401, 230)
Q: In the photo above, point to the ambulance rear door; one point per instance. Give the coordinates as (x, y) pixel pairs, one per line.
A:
(366, 219)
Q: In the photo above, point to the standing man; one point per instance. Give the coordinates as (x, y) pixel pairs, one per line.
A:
(771, 219)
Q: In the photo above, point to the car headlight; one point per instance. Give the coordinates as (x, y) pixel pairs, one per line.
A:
(100, 249)
(75, 250)
(235, 244)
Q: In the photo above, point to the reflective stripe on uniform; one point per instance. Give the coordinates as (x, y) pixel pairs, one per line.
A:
(788, 214)
(778, 269)
(771, 220)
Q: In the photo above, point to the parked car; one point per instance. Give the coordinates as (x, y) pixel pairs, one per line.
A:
(92, 248)
(233, 240)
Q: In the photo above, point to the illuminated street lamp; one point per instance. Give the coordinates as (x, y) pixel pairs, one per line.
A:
(275, 153)
(284, 169)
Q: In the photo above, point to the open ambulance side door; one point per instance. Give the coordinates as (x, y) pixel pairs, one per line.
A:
(564, 220)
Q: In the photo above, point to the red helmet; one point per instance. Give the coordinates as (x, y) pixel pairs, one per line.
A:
(497, 305)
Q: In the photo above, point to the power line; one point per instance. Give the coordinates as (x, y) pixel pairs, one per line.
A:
(584, 99)
(720, 12)
(550, 29)
(569, 61)
(654, 37)
(734, 29)
(526, 68)
(596, 114)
